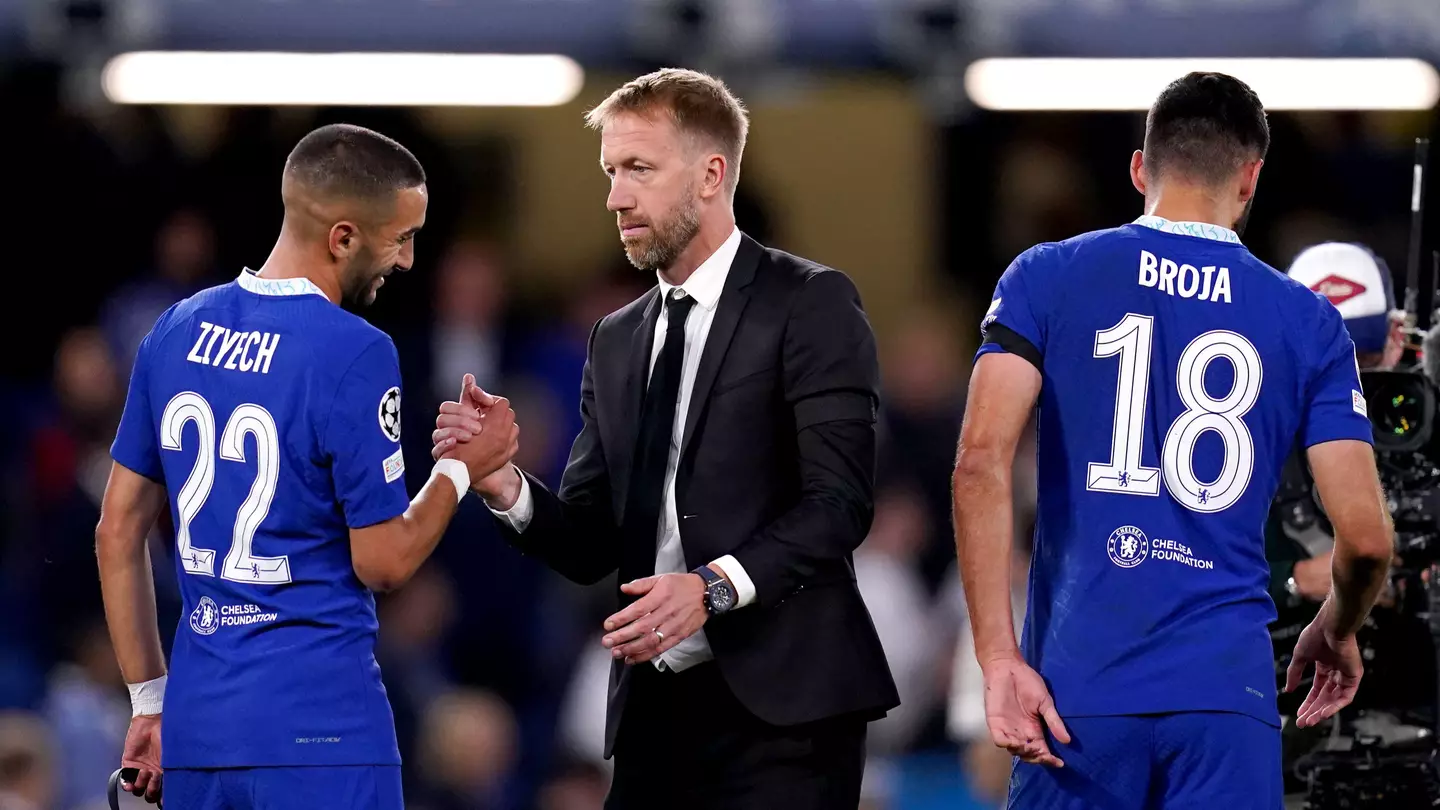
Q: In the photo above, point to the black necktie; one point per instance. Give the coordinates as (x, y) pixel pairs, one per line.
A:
(646, 495)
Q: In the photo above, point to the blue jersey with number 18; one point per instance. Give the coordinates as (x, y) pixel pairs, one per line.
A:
(1179, 372)
(272, 418)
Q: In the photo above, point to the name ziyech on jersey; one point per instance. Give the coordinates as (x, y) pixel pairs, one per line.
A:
(238, 351)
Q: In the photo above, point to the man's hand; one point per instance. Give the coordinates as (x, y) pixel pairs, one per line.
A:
(459, 423)
(1016, 700)
(674, 604)
(1312, 577)
(1337, 672)
(142, 751)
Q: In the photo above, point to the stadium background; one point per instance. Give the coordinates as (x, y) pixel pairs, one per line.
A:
(866, 153)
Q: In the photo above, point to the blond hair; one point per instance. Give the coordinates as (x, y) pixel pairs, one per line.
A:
(699, 105)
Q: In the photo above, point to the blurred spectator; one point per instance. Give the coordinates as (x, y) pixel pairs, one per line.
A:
(552, 358)
(582, 715)
(889, 580)
(468, 745)
(467, 335)
(27, 763)
(579, 786)
(88, 709)
(414, 624)
(59, 505)
(184, 264)
(923, 401)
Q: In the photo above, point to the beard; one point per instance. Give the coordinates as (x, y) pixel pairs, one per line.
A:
(358, 289)
(1244, 219)
(665, 240)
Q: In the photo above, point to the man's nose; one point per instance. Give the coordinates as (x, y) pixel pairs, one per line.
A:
(620, 199)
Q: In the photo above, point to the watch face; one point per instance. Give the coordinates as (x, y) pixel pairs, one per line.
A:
(722, 598)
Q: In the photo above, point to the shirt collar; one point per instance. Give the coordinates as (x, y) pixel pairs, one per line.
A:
(251, 282)
(708, 280)
(1201, 230)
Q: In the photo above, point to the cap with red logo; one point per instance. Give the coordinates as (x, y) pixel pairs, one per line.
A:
(1357, 282)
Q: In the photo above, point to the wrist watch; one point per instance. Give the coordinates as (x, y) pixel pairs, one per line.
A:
(719, 594)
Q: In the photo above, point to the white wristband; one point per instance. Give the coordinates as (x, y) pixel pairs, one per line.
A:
(147, 697)
(457, 472)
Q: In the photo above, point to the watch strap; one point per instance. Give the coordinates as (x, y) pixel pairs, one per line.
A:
(708, 574)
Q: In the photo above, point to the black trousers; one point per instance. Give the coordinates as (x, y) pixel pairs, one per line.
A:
(686, 743)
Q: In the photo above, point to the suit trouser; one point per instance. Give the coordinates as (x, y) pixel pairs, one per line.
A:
(685, 741)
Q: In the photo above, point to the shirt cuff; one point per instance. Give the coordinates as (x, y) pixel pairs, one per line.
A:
(744, 588)
(519, 513)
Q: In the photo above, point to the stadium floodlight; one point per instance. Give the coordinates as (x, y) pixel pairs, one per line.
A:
(342, 79)
(1133, 84)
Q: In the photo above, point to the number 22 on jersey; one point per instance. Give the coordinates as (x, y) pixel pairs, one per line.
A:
(240, 565)
(1123, 473)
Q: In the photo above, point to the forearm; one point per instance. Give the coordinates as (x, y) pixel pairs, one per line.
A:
(424, 524)
(983, 529)
(573, 532)
(1356, 582)
(386, 555)
(813, 540)
(128, 590)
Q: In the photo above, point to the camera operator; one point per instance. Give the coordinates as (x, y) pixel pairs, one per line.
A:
(1297, 538)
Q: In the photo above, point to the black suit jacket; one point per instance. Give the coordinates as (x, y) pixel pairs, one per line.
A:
(776, 468)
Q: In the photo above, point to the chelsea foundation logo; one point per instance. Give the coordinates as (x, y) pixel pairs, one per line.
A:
(1128, 547)
(205, 618)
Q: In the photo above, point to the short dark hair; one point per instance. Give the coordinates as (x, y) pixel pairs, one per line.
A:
(343, 160)
(1204, 126)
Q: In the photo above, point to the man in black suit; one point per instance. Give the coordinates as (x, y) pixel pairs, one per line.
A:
(725, 467)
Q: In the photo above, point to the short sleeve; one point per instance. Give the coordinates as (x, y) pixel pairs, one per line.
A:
(1014, 323)
(362, 438)
(137, 441)
(1334, 402)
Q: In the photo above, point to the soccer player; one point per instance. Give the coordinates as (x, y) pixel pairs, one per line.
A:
(1174, 372)
(270, 414)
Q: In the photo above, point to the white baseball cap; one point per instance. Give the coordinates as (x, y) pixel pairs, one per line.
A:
(1357, 282)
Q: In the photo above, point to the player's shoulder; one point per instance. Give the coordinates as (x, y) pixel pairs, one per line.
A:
(187, 309)
(344, 340)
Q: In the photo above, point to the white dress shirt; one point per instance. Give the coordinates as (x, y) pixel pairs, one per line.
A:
(705, 286)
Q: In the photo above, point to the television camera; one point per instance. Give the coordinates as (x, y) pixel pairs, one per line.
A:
(1382, 750)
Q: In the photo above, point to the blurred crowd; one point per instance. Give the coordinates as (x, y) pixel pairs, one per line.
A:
(492, 662)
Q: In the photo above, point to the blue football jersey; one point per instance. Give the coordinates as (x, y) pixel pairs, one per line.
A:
(1179, 372)
(272, 417)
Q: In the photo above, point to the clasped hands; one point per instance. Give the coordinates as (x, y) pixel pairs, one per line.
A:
(480, 430)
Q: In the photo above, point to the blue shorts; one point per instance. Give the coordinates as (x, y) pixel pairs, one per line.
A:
(363, 787)
(1181, 761)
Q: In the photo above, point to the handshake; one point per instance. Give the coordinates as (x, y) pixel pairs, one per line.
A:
(480, 431)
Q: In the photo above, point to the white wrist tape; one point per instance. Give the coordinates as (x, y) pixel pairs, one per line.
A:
(147, 697)
(457, 472)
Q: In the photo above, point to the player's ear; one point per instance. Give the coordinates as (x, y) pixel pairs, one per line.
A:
(343, 240)
(1251, 180)
(716, 169)
(1137, 171)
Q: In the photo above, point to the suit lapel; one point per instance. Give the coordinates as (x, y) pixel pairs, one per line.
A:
(727, 317)
(633, 391)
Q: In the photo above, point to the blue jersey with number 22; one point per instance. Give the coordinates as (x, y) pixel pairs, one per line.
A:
(272, 418)
(1179, 372)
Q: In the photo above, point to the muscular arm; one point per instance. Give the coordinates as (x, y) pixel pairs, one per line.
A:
(1003, 389)
(385, 555)
(1350, 493)
(131, 504)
